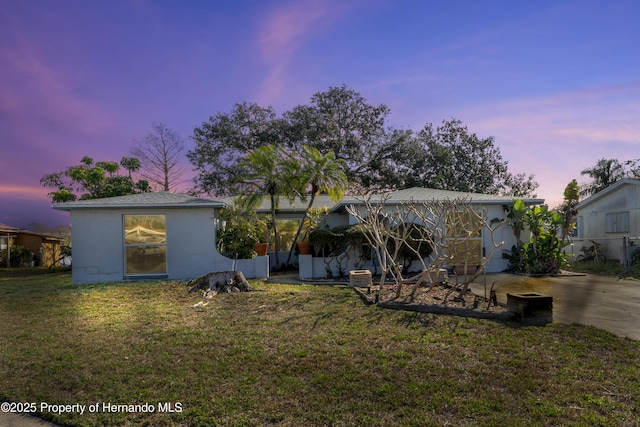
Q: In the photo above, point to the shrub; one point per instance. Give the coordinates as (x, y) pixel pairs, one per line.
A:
(241, 231)
(332, 242)
(20, 257)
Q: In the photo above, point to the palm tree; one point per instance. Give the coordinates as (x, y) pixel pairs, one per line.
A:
(604, 173)
(271, 172)
(320, 174)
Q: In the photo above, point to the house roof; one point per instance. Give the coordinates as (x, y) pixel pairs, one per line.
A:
(160, 199)
(164, 199)
(416, 194)
(603, 193)
(284, 205)
(8, 228)
(420, 195)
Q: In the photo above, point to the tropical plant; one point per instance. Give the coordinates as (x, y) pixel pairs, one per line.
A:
(604, 173)
(270, 172)
(338, 244)
(332, 242)
(92, 181)
(542, 254)
(515, 218)
(568, 209)
(319, 173)
(240, 231)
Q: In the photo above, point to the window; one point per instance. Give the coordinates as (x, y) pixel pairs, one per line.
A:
(617, 222)
(464, 235)
(578, 232)
(145, 244)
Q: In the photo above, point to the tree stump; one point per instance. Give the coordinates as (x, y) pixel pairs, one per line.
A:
(220, 282)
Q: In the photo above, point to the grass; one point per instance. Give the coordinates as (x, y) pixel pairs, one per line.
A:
(609, 268)
(297, 355)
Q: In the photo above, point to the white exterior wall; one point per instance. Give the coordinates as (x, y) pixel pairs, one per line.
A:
(98, 245)
(593, 220)
(503, 233)
(316, 267)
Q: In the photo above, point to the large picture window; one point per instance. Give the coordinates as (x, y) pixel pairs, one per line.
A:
(145, 244)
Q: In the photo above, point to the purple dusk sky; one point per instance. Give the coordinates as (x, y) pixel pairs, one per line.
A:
(557, 83)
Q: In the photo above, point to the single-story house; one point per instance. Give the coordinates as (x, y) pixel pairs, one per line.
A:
(607, 217)
(149, 235)
(173, 236)
(492, 204)
(45, 248)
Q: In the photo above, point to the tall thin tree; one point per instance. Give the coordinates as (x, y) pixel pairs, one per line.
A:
(268, 171)
(160, 153)
(320, 173)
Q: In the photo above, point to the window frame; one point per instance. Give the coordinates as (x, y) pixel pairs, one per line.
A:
(615, 220)
(161, 243)
(469, 250)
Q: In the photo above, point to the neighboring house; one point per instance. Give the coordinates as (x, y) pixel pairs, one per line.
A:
(46, 249)
(149, 235)
(173, 236)
(607, 217)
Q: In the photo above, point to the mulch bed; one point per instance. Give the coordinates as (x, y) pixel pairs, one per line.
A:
(441, 298)
(438, 294)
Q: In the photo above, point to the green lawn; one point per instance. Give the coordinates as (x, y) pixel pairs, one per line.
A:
(297, 355)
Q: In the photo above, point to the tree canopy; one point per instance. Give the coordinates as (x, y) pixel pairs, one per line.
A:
(377, 157)
(339, 121)
(226, 138)
(90, 180)
(606, 172)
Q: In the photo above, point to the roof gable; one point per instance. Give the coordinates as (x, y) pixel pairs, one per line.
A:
(607, 191)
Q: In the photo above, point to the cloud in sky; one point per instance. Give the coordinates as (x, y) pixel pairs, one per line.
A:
(556, 84)
(557, 136)
(283, 32)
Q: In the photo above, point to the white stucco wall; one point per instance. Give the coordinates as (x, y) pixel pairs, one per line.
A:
(316, 267)
(98, 248)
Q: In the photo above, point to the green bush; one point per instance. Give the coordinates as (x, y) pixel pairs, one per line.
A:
(541, 256)
(332, 242)
(20, 257)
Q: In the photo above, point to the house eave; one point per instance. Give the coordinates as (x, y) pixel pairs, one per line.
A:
(68, 208)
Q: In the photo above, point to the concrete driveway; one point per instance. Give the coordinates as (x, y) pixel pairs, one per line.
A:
(604, 302)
